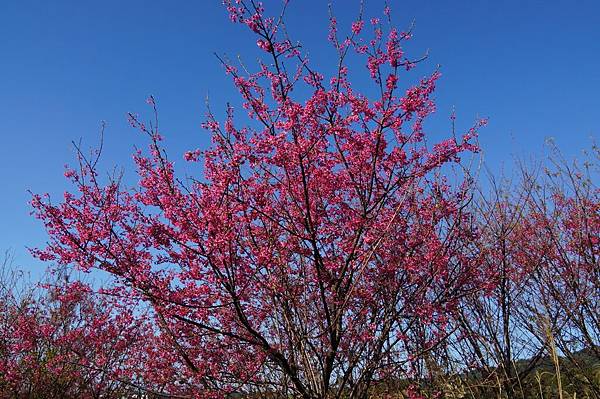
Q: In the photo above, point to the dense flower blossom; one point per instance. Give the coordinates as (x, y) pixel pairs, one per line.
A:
(319, 243)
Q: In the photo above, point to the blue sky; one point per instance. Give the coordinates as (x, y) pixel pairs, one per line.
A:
(532, 67)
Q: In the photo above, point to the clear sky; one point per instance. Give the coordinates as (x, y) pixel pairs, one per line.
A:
(532, 67)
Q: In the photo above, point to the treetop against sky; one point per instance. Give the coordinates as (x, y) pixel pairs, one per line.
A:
(529, 66)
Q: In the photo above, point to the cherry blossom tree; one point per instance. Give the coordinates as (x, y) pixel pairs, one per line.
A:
(563, 253)
(538, 237)
(318, 250)
(60, 339)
